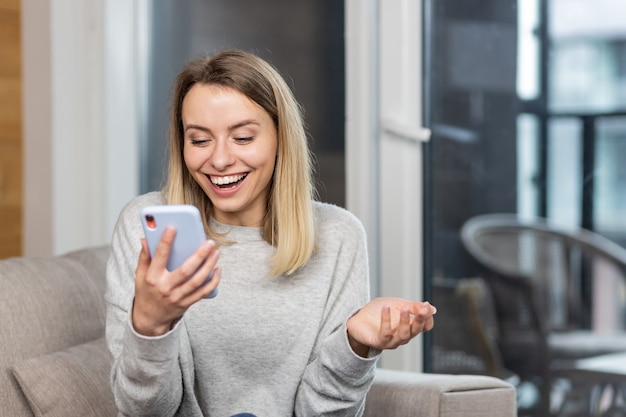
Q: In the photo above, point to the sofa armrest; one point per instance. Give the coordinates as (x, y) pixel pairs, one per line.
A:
(411, 394)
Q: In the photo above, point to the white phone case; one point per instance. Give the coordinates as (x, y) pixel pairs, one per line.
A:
(189, 232)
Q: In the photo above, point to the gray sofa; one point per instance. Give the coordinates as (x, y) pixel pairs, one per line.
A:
(54, 361)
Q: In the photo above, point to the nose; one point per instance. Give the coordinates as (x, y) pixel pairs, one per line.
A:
(222, 156)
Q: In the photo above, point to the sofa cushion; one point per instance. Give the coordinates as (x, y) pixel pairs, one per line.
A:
(70, 382)
(47, 305)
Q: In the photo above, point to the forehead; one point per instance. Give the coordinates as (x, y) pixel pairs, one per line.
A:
(218, 108)
(210, 97)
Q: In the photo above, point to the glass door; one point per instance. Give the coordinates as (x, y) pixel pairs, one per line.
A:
(527, 107)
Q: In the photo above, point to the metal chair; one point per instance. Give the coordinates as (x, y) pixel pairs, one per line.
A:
(542, 278)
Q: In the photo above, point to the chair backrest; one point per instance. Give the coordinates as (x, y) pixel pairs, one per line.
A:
(542, 276)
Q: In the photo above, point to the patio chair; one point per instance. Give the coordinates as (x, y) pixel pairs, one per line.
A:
(542, 278)
(464, 340)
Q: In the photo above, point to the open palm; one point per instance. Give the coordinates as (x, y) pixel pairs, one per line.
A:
(386, 323)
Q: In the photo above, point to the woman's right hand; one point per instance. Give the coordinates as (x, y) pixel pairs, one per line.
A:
(161, 296)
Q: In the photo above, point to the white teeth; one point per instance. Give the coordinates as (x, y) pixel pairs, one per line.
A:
(229, 179)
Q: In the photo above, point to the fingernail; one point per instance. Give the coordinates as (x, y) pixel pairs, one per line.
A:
(433, 308)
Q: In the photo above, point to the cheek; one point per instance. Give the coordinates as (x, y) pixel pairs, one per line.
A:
(259, 157)
(271, 154)
(192, 159)
(267, 161)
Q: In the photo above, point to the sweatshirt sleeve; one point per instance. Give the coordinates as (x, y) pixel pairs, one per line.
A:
(146, 376)
(336, 380)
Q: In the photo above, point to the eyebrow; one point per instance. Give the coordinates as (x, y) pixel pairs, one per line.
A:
(230, 128)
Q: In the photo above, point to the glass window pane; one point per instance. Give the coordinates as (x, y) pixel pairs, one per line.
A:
(564, 171)
(587, 55)
(528, 44)
(610, 178)
(527, 166)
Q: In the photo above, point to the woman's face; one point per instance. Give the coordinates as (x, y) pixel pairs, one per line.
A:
(230, 146)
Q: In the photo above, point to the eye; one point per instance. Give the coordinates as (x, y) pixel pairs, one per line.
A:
(198, 142)
(244, 140)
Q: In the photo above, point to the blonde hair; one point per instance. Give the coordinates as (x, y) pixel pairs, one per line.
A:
(288, 223)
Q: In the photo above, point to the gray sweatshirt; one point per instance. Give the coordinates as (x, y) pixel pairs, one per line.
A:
(269, 346)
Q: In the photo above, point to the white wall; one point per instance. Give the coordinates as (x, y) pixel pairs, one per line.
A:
(79, 138)
(362, 123)
(383, 147)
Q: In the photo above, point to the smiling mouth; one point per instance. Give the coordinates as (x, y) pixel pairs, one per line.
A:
(228, 181)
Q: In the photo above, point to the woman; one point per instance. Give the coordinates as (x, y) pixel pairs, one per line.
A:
(291, 331)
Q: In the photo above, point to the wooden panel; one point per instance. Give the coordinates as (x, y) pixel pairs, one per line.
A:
(11, 236)
(10, 199)
(10, 53)
(11, 164)
(13, 5)
(10, 174)
(10, 109)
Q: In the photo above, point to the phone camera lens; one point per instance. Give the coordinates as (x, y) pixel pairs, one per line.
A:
(150, 222)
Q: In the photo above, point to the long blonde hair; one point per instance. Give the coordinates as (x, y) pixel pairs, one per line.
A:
(288, 223)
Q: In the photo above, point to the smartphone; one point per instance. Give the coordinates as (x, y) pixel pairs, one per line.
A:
(186, 219)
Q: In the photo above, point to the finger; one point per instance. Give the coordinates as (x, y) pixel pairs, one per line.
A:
(430, 310)
(144, 260)
(211, 284)
(385, 332)
(198, 261)
(430, 320)
(162, 252)
(201, 292)
(433, 309)
(420, 309)
(430, 323)
(196, 270)
(404, 327)
(419, 320)
(145, 250)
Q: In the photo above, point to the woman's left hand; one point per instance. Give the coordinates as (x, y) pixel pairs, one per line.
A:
(386, 323)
